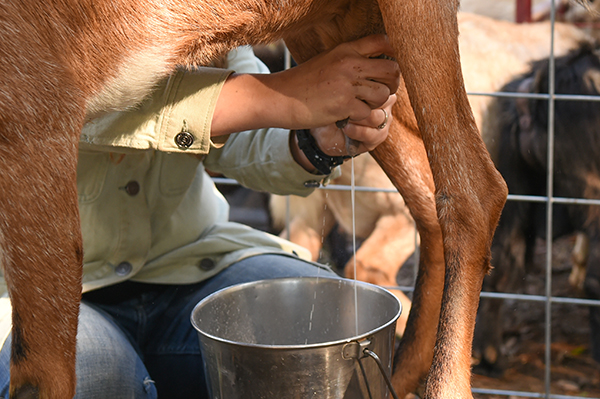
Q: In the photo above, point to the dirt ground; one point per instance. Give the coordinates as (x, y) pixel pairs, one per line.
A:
(573, 371)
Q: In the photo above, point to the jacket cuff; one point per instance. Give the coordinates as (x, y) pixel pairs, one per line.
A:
(183, 124)
(176, 117)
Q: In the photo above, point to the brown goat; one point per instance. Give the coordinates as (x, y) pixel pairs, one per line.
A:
(63, 59)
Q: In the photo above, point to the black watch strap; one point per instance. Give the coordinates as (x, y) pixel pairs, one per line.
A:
(322, 162)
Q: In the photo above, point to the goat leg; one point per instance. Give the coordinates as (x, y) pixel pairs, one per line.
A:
(403, 158)
(470, 193)
(41, 256)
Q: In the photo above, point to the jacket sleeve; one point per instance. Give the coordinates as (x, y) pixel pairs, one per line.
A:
(261, 160)
(176, 117)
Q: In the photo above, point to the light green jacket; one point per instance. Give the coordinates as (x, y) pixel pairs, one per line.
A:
(149, 211)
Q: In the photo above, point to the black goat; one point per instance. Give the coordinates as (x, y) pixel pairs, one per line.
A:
(522, 160)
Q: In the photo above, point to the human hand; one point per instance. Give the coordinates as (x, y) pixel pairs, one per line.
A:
(367, 133)
(346, 82)
(332, 140)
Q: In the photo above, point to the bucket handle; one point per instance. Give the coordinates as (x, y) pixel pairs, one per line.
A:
(374, 356)
(352, 350)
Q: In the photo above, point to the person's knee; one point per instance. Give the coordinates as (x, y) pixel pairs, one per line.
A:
(5, 368)
(107, 363)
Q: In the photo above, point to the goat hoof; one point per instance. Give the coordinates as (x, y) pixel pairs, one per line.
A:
(491, 355)
(490, 363)
(26, 392)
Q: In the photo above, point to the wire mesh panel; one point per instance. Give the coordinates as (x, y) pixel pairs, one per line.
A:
(544, 297)
(555, 309)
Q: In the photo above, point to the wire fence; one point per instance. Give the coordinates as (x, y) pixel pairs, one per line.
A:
(548, 300)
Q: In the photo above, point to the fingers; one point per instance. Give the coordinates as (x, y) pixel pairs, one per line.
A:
(373, 95)
(369, 137)
(374, 83)
(377, 116)
(366, 133)
(378, 119)
(373, 130)
(375, 79)
(381, 70)
(384, 71)
(345, 82)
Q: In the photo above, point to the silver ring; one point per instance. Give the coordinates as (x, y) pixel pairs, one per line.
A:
(385, 121)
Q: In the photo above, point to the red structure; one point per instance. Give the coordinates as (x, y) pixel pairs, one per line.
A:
(523, 11)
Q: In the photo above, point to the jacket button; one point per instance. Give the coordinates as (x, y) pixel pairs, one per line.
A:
(123, 269)
(184, 139)
(206, 264)
(132, 188)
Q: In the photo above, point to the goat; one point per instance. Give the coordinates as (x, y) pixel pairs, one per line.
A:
(566, 10)
(523, 132)
(64, 59)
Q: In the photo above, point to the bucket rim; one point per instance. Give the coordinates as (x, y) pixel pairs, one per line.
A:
(240, 286)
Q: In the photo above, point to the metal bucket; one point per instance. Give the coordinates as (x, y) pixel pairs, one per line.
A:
(298, 338)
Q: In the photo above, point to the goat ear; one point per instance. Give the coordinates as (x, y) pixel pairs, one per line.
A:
(523, 105)
(591, 80)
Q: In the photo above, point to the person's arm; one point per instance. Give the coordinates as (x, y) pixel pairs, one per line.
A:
(190, 111)
(270, 159)
(345, 82)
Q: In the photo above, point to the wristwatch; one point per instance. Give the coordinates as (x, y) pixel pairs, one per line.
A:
(322, 162)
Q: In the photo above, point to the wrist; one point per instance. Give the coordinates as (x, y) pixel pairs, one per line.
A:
(299, 155)
(310, 151)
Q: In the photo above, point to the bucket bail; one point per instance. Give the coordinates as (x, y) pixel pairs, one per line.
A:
(359, 350)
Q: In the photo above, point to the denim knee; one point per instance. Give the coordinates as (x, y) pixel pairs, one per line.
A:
(107, 364)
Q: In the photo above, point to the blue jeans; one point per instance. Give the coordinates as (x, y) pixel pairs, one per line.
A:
(136, 340)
